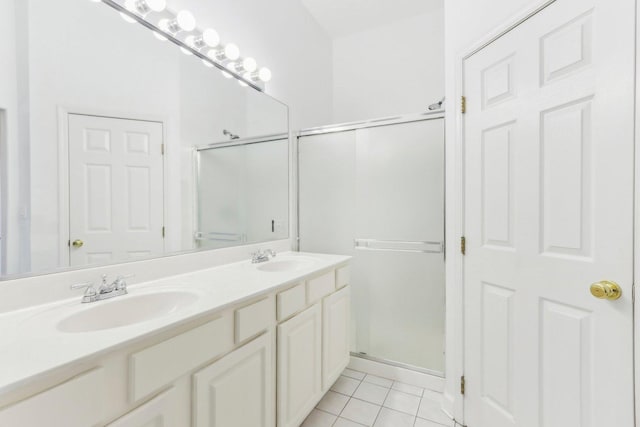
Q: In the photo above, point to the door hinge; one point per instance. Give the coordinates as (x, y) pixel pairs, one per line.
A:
(163, 232)
(162, 149)
(463, 104)
(462, 384)
(463, 245)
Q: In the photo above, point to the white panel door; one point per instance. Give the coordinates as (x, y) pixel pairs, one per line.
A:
(299, 366)
(161, 411)
(549, 187)
(336, 319)
(238, 390)
(115, 189)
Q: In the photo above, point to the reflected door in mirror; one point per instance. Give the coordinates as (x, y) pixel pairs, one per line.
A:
(115, 189)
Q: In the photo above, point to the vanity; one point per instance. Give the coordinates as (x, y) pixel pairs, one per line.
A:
(242, 344)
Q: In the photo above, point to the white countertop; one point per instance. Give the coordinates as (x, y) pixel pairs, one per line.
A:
(32, 346)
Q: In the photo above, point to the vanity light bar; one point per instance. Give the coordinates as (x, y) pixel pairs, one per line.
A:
(181, 29)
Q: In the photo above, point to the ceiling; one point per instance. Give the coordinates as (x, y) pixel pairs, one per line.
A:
(344, 17)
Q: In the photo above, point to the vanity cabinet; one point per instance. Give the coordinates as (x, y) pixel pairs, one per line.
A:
(264, 362)
(299, 366)
(160, 411)
(336, 320)
(239, 389)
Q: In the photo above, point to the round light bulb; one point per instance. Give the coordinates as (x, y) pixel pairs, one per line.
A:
(232, 66)
(226, 75)
(130, 5)
(264, 74)
(231, 51)
(186, 21)
(157, 5)
(249, 64)
(213, 55)
(159, 36)
(211, 37)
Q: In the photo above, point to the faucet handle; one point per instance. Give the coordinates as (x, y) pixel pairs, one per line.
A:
(120, 282)
(91, 290)
(271, 252)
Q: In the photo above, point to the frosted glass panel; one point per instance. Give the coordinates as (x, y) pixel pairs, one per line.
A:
(385, 193)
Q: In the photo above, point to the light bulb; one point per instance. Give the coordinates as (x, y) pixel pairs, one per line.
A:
(249, 64)
(207, 63)
(231, 51)
(186, 21)
(210, 37)
(143, 7)
(264, 74)
(159, 36)
(186, 51)
(155, 5)
(226, 75)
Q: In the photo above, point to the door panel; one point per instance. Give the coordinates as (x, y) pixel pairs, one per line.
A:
(115, 189)
(549, 175)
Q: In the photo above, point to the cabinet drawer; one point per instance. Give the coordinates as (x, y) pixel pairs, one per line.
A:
(76, 403)
(320, 287)
(158, 365)
(254, 319)
(291, 301)
(343, 275)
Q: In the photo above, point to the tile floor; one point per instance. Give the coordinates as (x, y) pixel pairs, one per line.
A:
(358, 399)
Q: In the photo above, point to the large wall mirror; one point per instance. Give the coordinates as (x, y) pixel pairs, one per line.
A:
(116, 146)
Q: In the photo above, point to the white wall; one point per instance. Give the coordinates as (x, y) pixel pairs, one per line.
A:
(466, 23)
(283, 36)
(393, 69)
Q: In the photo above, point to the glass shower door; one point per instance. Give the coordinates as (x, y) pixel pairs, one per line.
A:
(383, 203)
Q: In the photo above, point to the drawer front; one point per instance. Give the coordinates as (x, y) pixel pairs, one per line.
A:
(77, 403)
(320, 287)
(343, 275)
(159, 365)
(254, 318)
(291, 301)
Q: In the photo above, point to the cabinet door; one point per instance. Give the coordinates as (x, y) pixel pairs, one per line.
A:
(158, 412)
(238, 390)
(336, 318)
(299, 366)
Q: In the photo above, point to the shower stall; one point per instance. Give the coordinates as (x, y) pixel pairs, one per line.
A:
(375, 191)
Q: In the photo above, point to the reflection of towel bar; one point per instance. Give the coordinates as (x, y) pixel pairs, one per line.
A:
(217, 236)
(399, 246)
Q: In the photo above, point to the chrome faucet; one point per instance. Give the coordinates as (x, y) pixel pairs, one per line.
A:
(262, 256)
(105, 290)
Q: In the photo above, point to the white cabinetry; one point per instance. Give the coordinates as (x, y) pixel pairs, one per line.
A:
(238, 390)
(160, 411)
(336, 316)
(299, 366)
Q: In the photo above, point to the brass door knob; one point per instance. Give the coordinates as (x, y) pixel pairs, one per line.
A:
(77, 243)
(606, 290)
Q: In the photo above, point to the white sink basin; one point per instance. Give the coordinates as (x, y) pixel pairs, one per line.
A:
(126, 310)
(284, 264)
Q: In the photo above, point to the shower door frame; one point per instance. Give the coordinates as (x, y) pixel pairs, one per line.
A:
(367, 124)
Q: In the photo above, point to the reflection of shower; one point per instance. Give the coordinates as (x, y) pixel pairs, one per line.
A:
(230, 134)
(437, 105)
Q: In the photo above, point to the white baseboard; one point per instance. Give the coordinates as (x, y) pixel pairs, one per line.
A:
(404, 375)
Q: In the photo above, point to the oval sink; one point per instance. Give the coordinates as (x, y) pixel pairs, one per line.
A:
(126, 310)
(287, 264)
